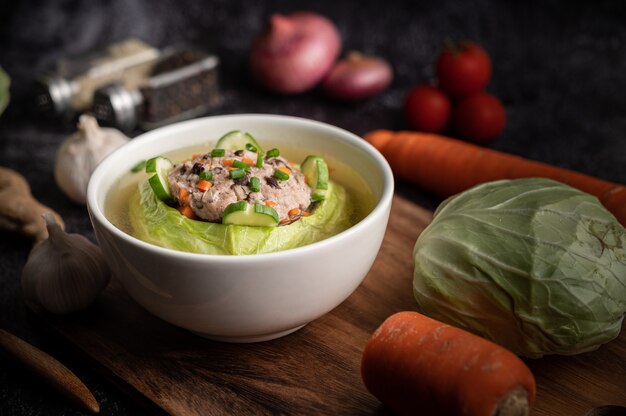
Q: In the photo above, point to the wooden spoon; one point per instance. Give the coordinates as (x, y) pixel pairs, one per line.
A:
(51, 370)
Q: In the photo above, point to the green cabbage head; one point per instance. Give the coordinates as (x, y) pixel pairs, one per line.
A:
(5, 82)
(532, 264)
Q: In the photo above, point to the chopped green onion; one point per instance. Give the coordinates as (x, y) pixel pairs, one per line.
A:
(207, 175)
(236, 173)
(218, 152)
(259, 160)
(273, 152)
(279, 174)
(251, 147)
(241, 165)
(138, 167)
(254, 184)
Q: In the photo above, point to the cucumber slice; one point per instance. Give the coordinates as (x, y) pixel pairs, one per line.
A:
(315, 170)
(160, 167)
(242, 213)
(158, 163)
(237, 140)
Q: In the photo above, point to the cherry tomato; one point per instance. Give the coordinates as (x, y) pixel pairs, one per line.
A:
(427, 108)
(463, 69)
(479, 118)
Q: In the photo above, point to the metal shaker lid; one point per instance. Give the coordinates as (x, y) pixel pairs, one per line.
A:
(117, 106)
(54, 95)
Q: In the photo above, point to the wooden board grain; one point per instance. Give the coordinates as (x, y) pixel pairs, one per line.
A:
(315, 370)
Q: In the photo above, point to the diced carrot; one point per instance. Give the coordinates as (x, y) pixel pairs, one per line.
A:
(305, 213)
(284, 170)
(196, 155)
(293, 211)
(183, 196)
(270, 203)
(187, 211)
(248, 161)
(292, 164)
(227, 162)
(204, 185)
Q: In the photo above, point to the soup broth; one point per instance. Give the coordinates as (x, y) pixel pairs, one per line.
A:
(118, 200)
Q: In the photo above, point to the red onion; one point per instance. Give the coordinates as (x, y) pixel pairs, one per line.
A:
(357, 77)
(294, 52)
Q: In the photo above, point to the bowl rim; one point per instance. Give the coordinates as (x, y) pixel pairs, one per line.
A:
(377, 213)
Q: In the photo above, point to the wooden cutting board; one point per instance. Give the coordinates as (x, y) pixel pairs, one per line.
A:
(314, 371)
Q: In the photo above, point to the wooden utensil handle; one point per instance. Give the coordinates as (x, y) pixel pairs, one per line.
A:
(51, 370)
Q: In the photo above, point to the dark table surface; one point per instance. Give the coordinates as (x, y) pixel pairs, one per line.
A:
(558, 67)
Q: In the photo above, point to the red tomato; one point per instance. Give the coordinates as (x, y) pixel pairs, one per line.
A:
(479, 118)
(463, 69)
(427, 108)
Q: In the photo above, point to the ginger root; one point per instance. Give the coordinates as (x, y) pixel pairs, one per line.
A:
(20, 212)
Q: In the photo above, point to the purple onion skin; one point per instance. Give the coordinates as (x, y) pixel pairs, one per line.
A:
(294, 52)
(358, 77)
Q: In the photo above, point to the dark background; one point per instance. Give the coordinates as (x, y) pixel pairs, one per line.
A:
(559, 67)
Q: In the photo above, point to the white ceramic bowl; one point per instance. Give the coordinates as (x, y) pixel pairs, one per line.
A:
(244, 298)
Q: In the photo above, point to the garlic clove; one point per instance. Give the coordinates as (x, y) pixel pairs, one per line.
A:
(64, 273)
(80, 153)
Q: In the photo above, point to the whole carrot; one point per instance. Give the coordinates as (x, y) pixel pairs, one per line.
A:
(419, 366)
(446, 166)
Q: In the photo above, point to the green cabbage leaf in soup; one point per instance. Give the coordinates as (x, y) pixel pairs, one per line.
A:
(157, 223)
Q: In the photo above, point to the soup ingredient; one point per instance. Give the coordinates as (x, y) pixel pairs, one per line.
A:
(479, 118)
(157, 223)
(63, 273)
(230, 174)
(5, 83)
(20, 212)
(159, 167)
(238, 139)
(357, 77)
(463, 69)
(427, 108)
(294, 52)
(243, 213)
(532, 264)
(447, 166)
(315, 171)
(417, 365)
(50, 370)
(80, 153)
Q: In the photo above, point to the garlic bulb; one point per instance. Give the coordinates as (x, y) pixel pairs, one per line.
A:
(80, 153)
(63, 273)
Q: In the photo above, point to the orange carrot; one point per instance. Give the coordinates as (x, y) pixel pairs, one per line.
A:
(419, 366)
(270, 203)
(187, 211)
(203, 185)
(248, 161)
(293, 211)
(284, 170)
(227, 162)
(448, 166)
(183, 196)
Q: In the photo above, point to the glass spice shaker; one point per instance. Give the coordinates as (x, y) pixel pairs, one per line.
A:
(183, 84)
(69, 90)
